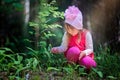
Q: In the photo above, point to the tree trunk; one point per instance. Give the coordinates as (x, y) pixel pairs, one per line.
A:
(26, 17)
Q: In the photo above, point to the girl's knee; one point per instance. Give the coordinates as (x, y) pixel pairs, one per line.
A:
(88, 62)
(73, 50)
(73, 54)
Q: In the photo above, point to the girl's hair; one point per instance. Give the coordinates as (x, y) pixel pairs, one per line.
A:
(68, 35)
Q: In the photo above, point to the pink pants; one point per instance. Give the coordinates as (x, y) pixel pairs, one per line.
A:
(72, 55)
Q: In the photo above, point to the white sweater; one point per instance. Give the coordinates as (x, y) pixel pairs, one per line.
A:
(88, 44)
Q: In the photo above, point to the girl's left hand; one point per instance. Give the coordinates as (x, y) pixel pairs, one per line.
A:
(82, 54)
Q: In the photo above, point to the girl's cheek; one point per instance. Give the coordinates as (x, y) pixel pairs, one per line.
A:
(73, 34)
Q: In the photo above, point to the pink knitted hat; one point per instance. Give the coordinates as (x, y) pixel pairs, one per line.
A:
(73, 16)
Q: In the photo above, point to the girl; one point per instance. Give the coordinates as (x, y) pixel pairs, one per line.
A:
(77, 42)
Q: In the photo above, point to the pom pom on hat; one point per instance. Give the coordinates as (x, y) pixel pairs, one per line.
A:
(73, 16)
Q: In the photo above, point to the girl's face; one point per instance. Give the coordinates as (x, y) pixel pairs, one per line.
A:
(71, 30)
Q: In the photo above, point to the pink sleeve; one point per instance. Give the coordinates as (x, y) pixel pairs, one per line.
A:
(89, 44)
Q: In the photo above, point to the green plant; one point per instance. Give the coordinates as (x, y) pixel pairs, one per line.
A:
(14, 65)
(43, 27)
(107, 64)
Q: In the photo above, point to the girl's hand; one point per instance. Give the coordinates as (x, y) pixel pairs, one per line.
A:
(82, 54)
(54, 50)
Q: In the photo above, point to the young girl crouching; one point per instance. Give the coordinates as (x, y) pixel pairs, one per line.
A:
(77, 42)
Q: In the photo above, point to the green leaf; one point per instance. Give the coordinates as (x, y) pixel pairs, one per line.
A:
(81, 70)
(17, 62)
(69, 70)
(35, 63)
(2, 51)
(8, 49)
(111, 77)
(10, 65)
(33, 24)
(52, 68)
(32, 50)
(100, 74)
(20, 69)
(20, 58)
(95, 70)
(43, 43)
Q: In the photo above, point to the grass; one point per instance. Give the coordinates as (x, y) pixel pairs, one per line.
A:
(55, 67)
